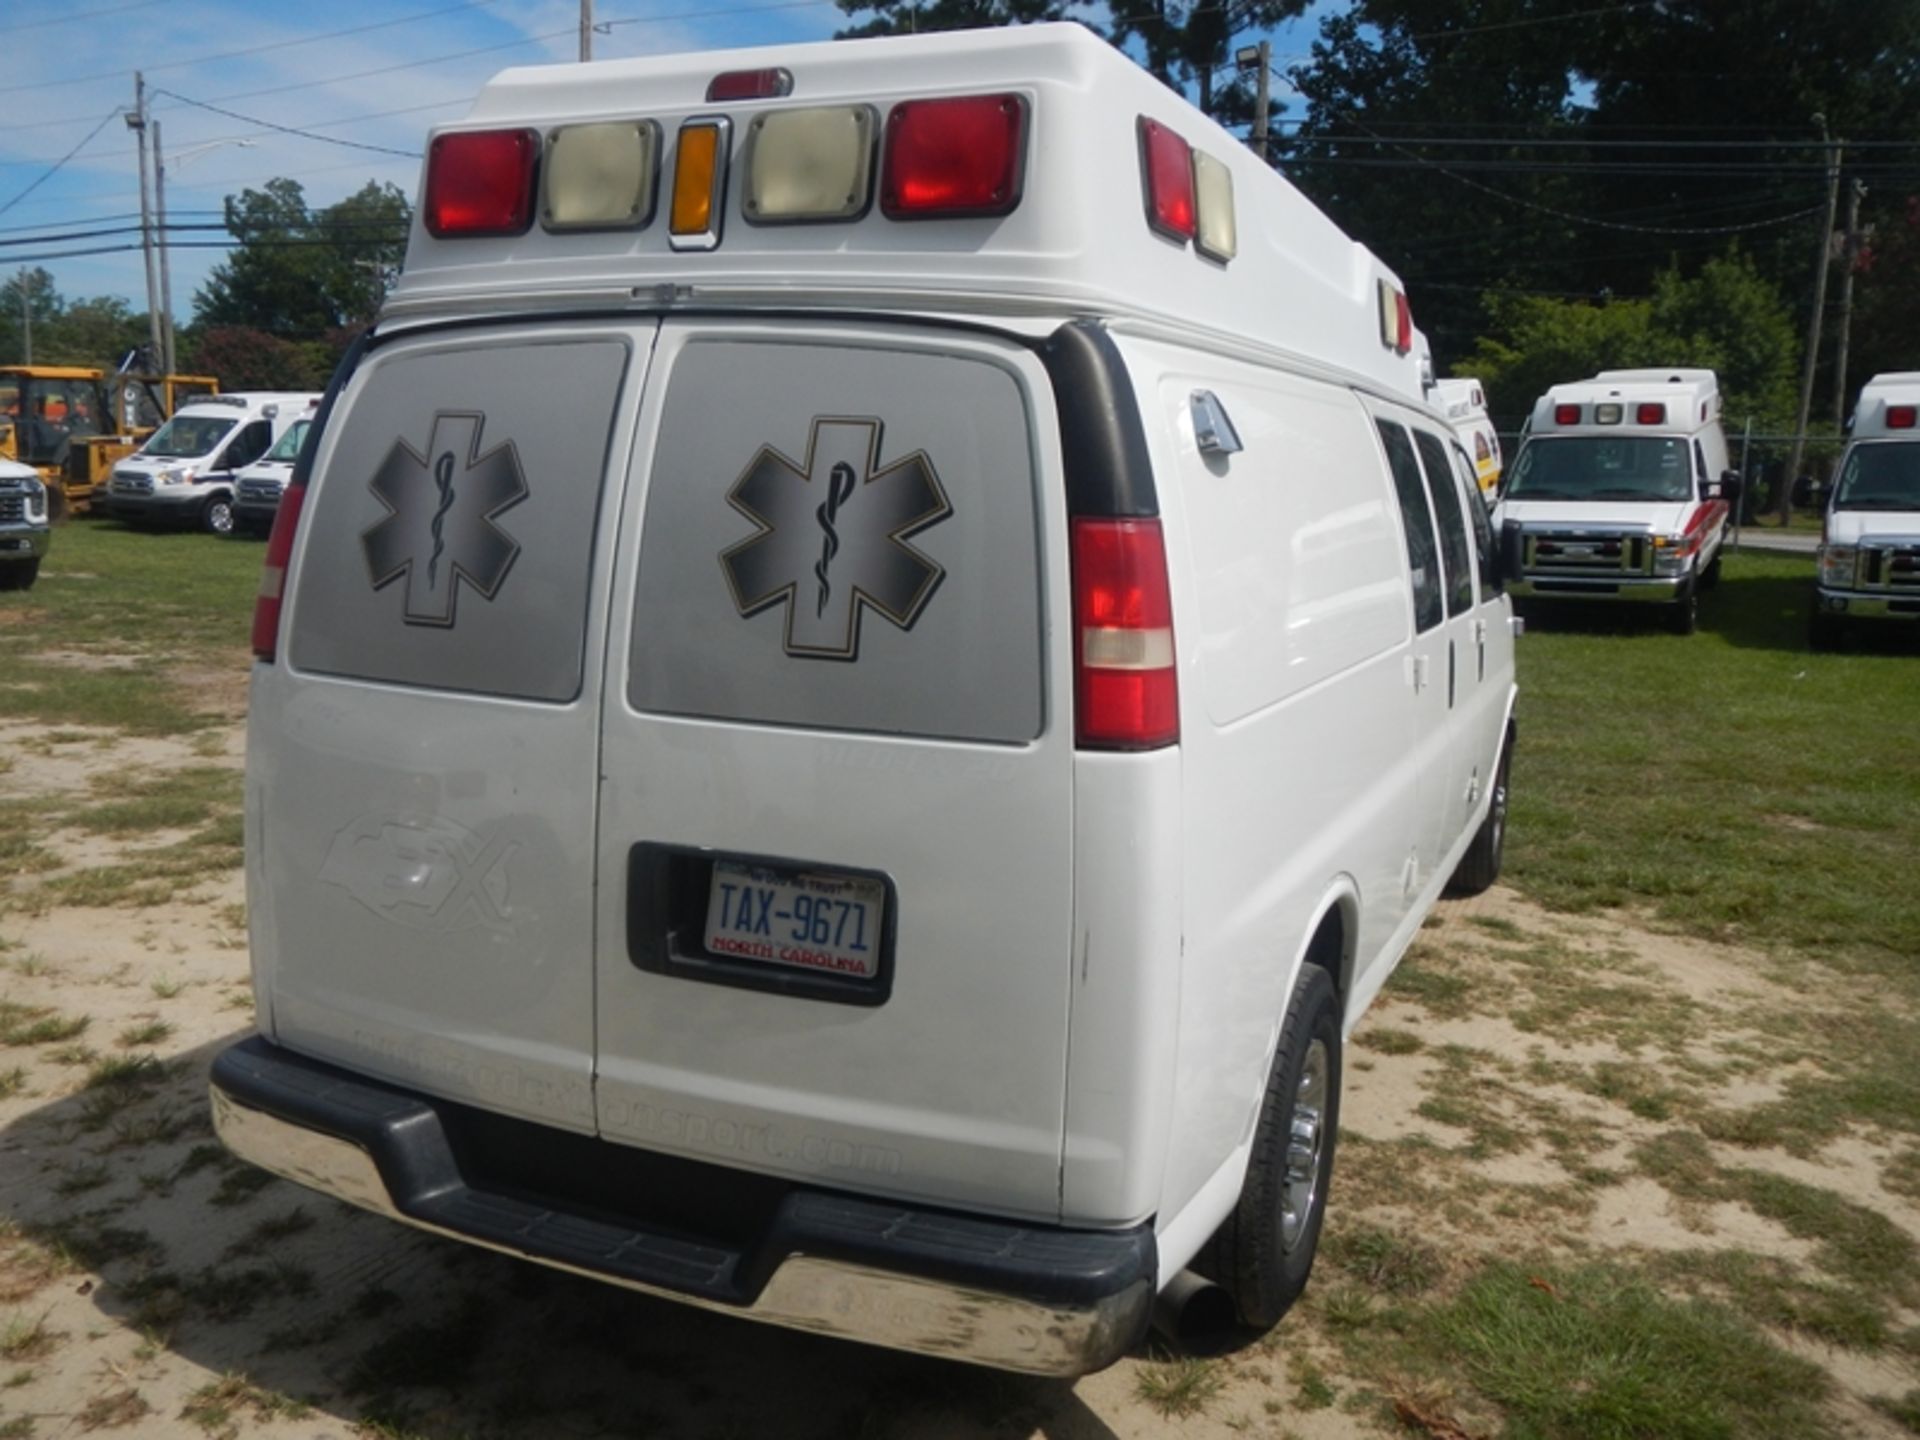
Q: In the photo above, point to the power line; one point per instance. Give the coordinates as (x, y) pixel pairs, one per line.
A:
(257, 49)
(289, 129)
(14, 27)
(54, 168)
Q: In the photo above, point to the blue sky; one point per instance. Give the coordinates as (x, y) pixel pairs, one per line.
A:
(355, 70)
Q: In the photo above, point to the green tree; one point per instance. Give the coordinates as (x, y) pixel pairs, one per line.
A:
(1728, 318)
(247, 359)
(912, 17)
(1188, 44)
(297, 273)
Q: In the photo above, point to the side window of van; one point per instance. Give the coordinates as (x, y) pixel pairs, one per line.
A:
(1453, 525)
(248, 446)
(1481, 526)
(1423, 551)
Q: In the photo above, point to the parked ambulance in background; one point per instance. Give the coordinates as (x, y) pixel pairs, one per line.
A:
(861, 680)
(1464, 403)
(257, 488)
(186, 471)
(1621, 493)
(1870, 549)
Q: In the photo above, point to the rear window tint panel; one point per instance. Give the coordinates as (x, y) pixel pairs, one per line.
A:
(933, 447)
(450, 539)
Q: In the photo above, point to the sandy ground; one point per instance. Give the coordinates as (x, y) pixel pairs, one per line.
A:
(138, 1267)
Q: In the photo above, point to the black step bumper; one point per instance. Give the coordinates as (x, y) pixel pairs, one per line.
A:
(1038, 1299)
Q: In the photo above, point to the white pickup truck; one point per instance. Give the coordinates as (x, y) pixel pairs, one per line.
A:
(24, 529)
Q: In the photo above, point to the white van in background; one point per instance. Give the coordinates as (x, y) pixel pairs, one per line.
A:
(185, 473)
(1621, 493)
(257, 489)
(1464, 402)
(845, 722)
(1870, 547)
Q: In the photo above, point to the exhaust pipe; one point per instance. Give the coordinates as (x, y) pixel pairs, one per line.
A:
(1196, 1315)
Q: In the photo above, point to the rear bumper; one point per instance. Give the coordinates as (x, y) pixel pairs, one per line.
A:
(1036, 1299)
(1854, 605)
(1627, 589)
(23, 542)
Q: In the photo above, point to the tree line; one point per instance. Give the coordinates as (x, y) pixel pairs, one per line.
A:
(1562, 186)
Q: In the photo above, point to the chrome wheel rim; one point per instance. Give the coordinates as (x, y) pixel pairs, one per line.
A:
(220, 518)
(1306, 1145)
(1500, 806)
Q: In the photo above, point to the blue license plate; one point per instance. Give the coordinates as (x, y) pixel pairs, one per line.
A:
(809, 920)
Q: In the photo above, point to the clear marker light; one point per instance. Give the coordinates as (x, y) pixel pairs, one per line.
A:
(600, 177)
(814, 164)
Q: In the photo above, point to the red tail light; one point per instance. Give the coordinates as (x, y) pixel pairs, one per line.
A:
(1124, 679)
(954, 158)
(273, 574)
(1649, 414)
(1900, 417)
(1167, 161)
(1404, 322)
(1566, 414)
(749, 85)
(480, 182)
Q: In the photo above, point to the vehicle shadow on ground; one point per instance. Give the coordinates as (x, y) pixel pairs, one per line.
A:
(129, 1221)
(1770, 612)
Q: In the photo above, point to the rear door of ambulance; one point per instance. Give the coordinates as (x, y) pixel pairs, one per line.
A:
(835, 866)
(424, 748)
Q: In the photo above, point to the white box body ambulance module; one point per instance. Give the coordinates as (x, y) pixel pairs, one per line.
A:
(865, 674)
(1464, 402)
(1621, 493)
(1870, 547)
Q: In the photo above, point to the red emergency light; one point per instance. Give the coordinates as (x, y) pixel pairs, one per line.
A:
(1566, 414)
(1166, 163)
(1650, 414)
(480, 182)
(1901, 417)
(769, 84)
(953, 158)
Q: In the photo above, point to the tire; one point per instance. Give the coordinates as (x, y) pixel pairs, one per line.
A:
(1264, 1252)
(1710, 577)
(1684, 618)
(216, 516)
(1480, 866)
(1826, 632)
(19, 574)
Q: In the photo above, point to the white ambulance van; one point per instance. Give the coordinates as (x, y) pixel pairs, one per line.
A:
(1621, 493)
(1464, 402)
(865, 674)
(1870, 550)
(185, 474)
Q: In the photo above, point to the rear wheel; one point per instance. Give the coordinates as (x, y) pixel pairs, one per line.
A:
(1684, 618)
(1480, 866)
(19, 574)
(1264, 1252)
(216, 517)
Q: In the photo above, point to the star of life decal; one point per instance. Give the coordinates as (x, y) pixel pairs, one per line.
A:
(438, 532)
(832, 540)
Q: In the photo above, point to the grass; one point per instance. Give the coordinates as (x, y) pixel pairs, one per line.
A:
(1593, 1353)
(1724, 781)
(37, 1025)
(1181, 1387)
(221, 1406)
(183, 799)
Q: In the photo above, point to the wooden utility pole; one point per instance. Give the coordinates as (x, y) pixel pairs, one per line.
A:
(137, 122)
(1849, 253)
(1261, 102)
(26, 312)
(1799, 449)
(165, 359)
(586, 31)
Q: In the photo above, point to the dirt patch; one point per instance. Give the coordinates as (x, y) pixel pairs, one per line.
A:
(1501, 1099)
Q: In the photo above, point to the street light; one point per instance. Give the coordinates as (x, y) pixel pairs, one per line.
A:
(166, 357)
(1258, 58)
